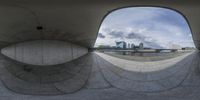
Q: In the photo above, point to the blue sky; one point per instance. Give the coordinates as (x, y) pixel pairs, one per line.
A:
(155, 27)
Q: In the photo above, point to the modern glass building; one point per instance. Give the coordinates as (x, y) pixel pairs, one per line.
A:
(121, 44)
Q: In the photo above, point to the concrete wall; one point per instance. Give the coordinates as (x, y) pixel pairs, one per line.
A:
(44, 52)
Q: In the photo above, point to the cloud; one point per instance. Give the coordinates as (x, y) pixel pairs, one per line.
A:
(100, 35)
(133, 35)
(144, 39)
(153, 44)
(155, 27)
(116, 34)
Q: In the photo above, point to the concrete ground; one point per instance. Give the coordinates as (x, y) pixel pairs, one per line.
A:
(143, 57)
(93, 77)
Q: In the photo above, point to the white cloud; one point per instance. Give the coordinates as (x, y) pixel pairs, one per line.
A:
(144, 23)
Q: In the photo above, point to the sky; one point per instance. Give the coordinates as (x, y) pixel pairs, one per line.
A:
(154, 27)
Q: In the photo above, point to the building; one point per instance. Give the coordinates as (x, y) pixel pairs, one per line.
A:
(132, 46)
(124, 45)
(129, 46)
(121, 45)
(141, 46)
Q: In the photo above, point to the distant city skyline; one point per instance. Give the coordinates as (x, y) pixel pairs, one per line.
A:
(155, 27)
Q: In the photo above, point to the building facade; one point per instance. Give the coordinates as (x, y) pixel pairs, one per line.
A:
(121, 45)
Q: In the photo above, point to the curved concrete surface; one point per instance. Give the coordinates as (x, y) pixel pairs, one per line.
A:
(74, 21)
(147, 58)
(44, 52)
(105, 81)
(78, 22)
(136, 66)
(158, 80)
(45, 80)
